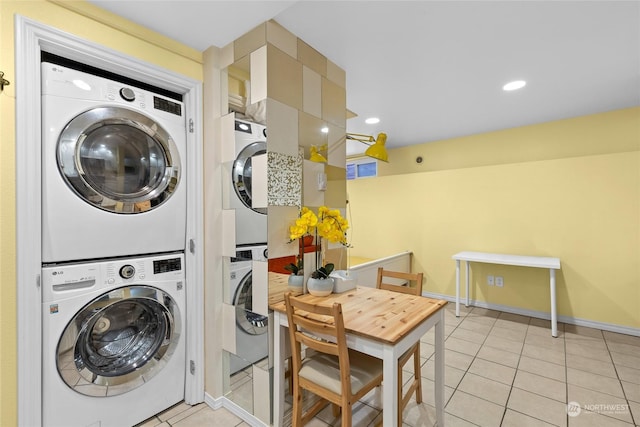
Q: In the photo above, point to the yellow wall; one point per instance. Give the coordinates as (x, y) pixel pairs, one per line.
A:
(569, 189)
(91, 23)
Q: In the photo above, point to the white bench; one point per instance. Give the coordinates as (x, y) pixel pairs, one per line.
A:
(551, 263)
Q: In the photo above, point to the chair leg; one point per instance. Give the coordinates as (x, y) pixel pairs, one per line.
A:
(297, 406)
(346, 415)
(417, 374)
(335, 410)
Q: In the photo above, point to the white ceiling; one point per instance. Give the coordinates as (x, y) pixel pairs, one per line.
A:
(433, 70)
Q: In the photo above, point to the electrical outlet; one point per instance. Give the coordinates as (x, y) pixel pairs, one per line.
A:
(499, 281)
(490, 280)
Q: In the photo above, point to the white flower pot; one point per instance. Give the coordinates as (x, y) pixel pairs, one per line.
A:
(320, 287)
(294, 283)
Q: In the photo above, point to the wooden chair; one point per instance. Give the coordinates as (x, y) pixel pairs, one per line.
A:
(416, 383)
(334, 372)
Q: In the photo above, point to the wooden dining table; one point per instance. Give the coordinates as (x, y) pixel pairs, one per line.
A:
(381, 323)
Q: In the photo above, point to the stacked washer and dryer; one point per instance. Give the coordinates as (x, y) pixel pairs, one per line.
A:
(251, 245)
(113, 240)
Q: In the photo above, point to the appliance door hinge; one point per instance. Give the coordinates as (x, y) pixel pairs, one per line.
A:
(191, 124)
(192, 367)
(192, 246)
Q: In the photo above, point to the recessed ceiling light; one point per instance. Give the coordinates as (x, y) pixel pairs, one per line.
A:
(372, 120)
(324, 130)
(515, 85)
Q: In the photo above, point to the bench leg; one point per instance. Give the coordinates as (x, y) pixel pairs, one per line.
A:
(554, 314)
(457, 288)
(467, 279)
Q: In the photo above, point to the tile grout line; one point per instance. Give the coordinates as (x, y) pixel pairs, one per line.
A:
(615, 368)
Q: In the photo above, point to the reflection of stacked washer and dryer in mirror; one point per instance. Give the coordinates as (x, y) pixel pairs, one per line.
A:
(113, 240)
(251, 328)
(251, 245)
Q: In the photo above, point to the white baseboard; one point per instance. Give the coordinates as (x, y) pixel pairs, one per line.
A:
(223, 402)
(627, 330)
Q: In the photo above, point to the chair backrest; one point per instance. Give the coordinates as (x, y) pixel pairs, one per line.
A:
(408, 277)
(321, 329)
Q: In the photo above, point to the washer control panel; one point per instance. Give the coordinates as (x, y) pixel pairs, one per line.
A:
(70, 279)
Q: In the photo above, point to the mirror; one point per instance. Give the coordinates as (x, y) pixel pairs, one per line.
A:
(303, 116)
(247, 340)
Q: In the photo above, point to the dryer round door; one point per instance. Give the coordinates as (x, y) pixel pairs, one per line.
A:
(118, 160)
(248, 321)
(242, 174)
(119, 341)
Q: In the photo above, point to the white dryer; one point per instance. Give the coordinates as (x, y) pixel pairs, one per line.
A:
(251, 222)
(113, 340)
(252, 343)
(113, 162)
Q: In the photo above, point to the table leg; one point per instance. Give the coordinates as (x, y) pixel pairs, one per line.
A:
(554, 314)
(457, 288)
(439, 369)
(278, 374)
(390, 386)
(467, 279)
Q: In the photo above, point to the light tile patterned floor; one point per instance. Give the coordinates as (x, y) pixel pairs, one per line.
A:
(501, 370)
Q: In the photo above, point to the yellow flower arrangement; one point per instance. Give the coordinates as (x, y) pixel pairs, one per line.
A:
(328, 224)
(304, 225)
(332, 226)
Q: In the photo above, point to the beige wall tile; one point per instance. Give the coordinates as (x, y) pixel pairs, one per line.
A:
(226, 57)
(311, 196)
(334, 100)
(284, 78)
(282, 128)
(228, 232)
(336, 74)
(311, 92)
(312, 58)
(282, 38)
(259, 82)
(229, 326)
(259, 191)
(250, 41)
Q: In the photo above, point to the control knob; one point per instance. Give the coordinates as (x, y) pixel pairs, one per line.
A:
(127, 94)
(127, 271)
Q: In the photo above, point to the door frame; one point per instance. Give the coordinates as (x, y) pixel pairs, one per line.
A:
(31, 38)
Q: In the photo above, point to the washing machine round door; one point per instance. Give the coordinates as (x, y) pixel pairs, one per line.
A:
(119, 341)
(118, 160)
(248, 321)
(242, 174)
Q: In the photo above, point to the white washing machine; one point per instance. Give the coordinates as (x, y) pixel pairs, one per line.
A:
(113, 340)
(113, 162)
(252, 343)
(251, 223)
